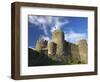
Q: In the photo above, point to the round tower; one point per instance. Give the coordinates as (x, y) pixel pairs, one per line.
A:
(51, 48)
(83, 50)
(58, 38)
(38, 46)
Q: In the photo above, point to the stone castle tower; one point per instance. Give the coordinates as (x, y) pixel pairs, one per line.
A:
(52, 48)
(59, 49)
(40, 44)
(82, 44)
(58, 39)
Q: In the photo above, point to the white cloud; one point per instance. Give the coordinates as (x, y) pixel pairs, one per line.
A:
(74, 37)
(45, 30)
(45, 38)
(41, 22)
(53, 29)
(44, 21)
(30, 46)
(58, 24)
(32, 19)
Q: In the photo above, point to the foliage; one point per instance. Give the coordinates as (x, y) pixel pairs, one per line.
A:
(37, 59)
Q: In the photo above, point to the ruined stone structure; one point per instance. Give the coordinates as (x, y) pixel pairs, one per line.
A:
(82, 44)
(41, 44)
(60, 50)
(52, 47)
(58, 39)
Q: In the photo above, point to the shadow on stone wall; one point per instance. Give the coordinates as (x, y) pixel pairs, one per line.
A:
(37, 59)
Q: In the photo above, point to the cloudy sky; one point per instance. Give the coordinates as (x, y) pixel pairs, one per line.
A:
(74, 28)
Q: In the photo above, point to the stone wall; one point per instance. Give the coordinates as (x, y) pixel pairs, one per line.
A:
(58, 38)
(52, 47)
(82, 44)
(72, 51)
(61, 50)
(40, 44)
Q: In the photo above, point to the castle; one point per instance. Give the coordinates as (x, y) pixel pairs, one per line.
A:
(60, 50)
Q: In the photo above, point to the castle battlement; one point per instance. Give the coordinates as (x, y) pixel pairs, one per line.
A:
(59, 49)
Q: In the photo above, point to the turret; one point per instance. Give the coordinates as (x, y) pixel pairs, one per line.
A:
(58, 38)
(40, 44)
(82, 44)
(51, 48)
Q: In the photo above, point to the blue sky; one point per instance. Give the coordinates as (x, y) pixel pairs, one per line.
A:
(74, 28)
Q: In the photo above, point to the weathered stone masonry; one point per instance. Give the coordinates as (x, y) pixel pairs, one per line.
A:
(59, 49)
